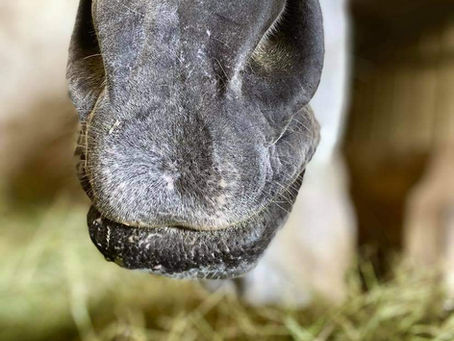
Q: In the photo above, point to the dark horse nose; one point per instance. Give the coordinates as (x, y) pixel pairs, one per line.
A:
(163, 177)
(196, 126)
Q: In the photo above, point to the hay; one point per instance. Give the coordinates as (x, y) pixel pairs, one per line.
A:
(54, 285)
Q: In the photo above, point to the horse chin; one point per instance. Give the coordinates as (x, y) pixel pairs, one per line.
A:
(183, 253)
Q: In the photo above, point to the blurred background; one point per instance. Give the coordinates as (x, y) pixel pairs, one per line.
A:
(395, 137)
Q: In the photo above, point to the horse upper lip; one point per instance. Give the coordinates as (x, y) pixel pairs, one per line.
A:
(188, 227)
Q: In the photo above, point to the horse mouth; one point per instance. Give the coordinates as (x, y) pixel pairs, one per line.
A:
(178, 252)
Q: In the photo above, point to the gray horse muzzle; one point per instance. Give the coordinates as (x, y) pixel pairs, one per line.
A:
(196, 127)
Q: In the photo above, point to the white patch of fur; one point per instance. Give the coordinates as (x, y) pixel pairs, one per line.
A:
(169, 181)
(108, 236)
(114, 127)
(221, 200)
(222, 183)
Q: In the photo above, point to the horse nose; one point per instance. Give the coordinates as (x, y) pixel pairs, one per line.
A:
(154, 180)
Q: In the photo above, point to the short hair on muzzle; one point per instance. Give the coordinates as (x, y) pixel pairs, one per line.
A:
(195, 127)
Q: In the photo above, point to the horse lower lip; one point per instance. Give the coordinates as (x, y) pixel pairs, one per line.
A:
(177, 252)
(184, 253)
